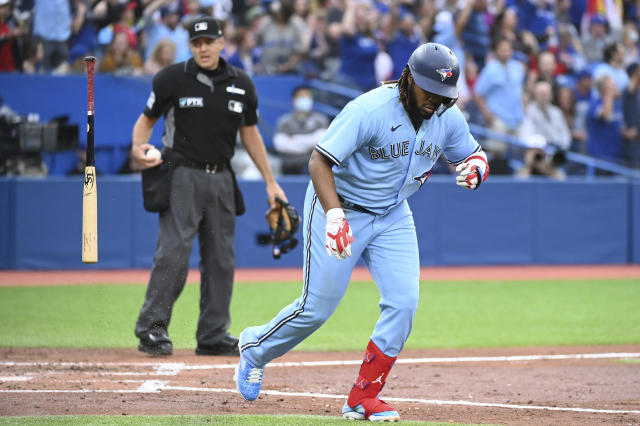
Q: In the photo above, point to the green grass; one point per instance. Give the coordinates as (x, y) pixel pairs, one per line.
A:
(241, 420)
(451, 314)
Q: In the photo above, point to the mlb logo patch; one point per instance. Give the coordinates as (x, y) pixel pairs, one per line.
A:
(200, 26)
(444, 73)
(236, 106)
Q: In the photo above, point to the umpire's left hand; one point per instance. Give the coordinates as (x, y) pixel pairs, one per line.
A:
(273, 191)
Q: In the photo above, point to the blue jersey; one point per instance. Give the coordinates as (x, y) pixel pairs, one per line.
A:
(379, 159)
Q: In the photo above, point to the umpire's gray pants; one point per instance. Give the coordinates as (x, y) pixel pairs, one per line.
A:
(201, 203)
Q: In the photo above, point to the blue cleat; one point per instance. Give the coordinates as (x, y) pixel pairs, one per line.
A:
(248, 379)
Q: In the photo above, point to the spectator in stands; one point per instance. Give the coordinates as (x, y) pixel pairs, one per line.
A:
(298, 132)
(10, 57)
(613, 66)
(545, 70)
(582, 95)
(473, 30)
(631, 110)
(33, 55)
(569, 53)
(127, 24)
(538, 18)
(545, 133)
(120, 58)
(164, 54)
(318, 46)
(167, 27)
(52, 26)
(403, 38)
(604, 121)
(358, 46)
(244, 56)
(596, 38)
(83, 40)
(498, 96)
(280, 38)
(506, 26)
(566, 101)
(630, 43)
(195, 9)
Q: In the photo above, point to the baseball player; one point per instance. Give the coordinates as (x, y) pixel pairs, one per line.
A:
(378, 151)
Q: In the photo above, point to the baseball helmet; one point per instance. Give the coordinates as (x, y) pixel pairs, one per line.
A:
(435, 69)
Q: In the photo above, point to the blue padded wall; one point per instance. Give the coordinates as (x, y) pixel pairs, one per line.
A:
(634, 244)
(505, 222)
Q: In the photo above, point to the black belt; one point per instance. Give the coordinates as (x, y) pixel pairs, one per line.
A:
(207, 167)
(353, 206)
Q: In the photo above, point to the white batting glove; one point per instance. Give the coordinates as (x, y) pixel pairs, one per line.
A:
(339, 237)
(472, 171)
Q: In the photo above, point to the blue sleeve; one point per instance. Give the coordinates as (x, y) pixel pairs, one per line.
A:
(460, 141)
(346, 133)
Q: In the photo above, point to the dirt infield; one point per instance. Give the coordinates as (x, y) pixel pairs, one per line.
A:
(591, 385)
(532, 386)
(141, 276)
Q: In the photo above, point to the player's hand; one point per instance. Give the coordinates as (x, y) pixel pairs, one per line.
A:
(468, 176)
(338, 236)
(473, 170)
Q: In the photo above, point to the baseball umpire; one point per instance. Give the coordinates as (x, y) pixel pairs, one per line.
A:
(205, 102)
(377, 152)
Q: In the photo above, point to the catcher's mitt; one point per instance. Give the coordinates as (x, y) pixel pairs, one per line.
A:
(284, 221)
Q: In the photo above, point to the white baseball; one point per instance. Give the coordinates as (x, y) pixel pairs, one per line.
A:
(153, 154)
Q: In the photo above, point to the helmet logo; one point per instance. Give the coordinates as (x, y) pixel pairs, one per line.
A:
(444, 73)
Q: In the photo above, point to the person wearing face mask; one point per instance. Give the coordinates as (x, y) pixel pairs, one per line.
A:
(376, 153)
(298, 132)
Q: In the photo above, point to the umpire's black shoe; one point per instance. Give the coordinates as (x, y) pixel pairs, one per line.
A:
(226, 347)
(156, 342)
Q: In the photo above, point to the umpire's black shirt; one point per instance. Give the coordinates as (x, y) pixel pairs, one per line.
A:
(203, 109)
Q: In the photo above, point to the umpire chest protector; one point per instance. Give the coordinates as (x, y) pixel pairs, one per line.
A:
(203, 110)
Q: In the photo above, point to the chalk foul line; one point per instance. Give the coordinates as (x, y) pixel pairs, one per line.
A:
(173, 368)
(157, 386)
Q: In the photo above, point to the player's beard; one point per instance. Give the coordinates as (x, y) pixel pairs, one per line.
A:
(414, 109)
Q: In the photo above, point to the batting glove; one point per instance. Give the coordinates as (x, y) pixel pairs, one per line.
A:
(472, 171)
(339, 236)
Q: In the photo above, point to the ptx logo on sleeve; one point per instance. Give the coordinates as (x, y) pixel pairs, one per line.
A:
(191, 103)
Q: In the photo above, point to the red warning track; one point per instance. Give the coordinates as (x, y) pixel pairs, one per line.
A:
(477, 273)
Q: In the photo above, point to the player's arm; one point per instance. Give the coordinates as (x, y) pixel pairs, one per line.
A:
(338, 237)
(323, 181)
(253, 143)
(140, 141)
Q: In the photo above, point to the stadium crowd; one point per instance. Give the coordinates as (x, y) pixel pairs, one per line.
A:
(557, 74)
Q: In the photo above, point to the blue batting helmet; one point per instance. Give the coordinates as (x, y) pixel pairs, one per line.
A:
(435, 69)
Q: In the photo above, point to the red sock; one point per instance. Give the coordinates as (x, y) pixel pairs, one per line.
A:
(372, 377)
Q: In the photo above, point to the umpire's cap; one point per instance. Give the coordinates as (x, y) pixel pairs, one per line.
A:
(435, 69)
(204, 27)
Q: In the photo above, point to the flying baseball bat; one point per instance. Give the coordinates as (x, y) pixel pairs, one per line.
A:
(90, 194)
